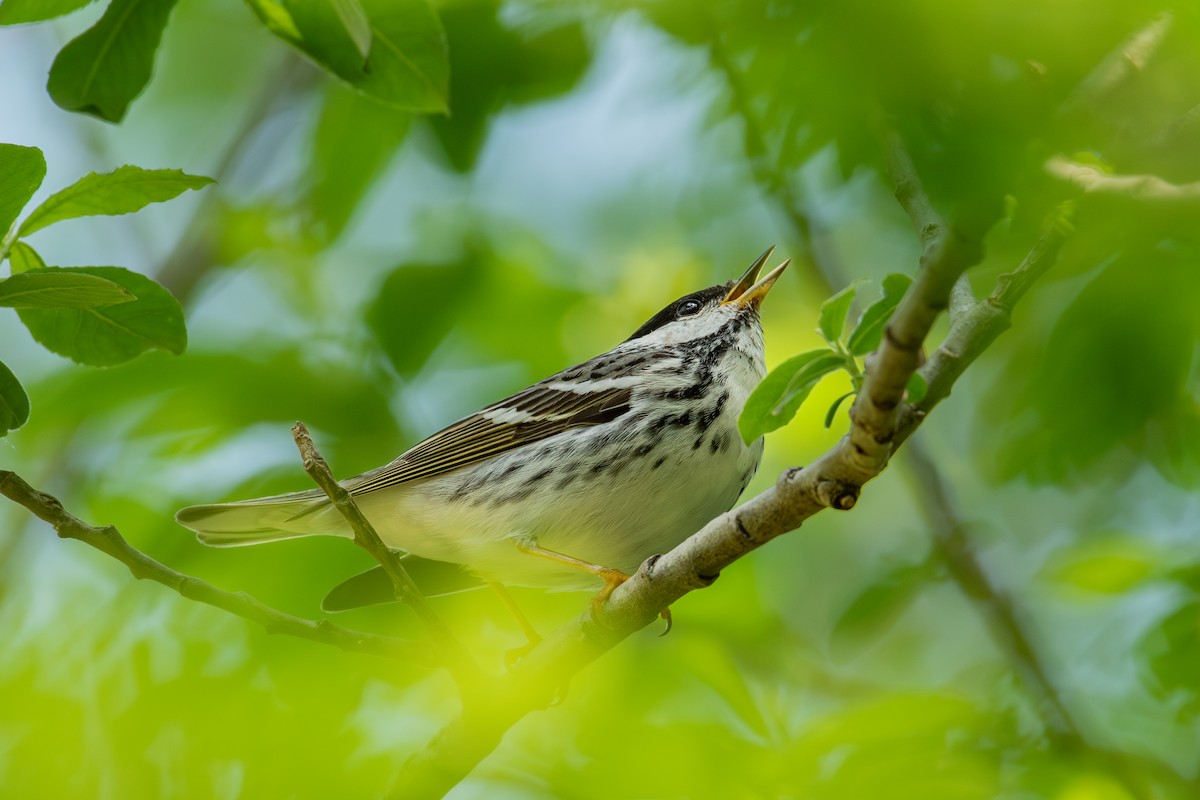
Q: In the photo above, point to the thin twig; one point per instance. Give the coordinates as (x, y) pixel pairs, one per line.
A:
(1149, 189)
(108, 540)
(1121, 64)
(977, 328)
(366, 537)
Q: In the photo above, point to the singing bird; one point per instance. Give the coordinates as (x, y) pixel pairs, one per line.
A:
(575, 480)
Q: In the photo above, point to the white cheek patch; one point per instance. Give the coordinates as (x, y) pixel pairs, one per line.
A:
(706, 323)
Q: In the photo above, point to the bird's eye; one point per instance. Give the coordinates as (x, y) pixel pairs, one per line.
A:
(688, 308)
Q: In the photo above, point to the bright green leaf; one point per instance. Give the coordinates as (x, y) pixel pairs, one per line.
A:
(14, 12)
(1110, 565)
(22, 169)
(121, 191)
(354, 20)
(806, 378)
(103, 69)
(355, 139)
(23, 258)
(46, 288)
(867, 333)
(917, 387)
(276, 19)
(112, 334)
(776, 400)
(407, 67)
(829, 415)
(832, 317)
(14, 403)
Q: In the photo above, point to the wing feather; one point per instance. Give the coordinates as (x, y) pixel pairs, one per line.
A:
(532, 415)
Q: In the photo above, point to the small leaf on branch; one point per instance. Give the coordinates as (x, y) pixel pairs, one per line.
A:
(833, 408)
(15, 12)
(23, 258)
(103, 69)
(23, 169)
(14, 403)
(110, 335)
(832, 318)
(869, 331)
(45, 288)
(121, 191)
(775, 401)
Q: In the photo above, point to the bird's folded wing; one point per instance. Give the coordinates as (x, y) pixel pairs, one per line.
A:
(537, 413)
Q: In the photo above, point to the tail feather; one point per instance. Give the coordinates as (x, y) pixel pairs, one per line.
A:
(265, 519)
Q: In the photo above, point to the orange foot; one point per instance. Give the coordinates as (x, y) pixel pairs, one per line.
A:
(612, 579)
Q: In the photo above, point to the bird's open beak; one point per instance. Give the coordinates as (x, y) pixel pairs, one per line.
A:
(749, 290)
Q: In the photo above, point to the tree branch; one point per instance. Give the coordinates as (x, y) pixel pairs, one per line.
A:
(977, 328)
(109, 541)
(833, 481)
(1149, 189)
(1127, 60)
(454, 655)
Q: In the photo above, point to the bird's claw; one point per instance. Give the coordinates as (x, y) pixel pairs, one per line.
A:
(614, 578)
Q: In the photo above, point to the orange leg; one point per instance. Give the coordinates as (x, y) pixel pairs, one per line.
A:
(533, 638)
(612, 577)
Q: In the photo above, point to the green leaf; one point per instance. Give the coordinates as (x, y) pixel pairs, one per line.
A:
(23, 258)
(14, 403)
(355, 139)
(1170, 652)
(22, 169)
(354, 20)
(45, 288)
(407, 66)
(1107, 564)
(776, 400)
(409, 339)
(867, 333)
(112, 334)
(15, 12)
(806, 378)
(882, 603)
(917, 387)
(121, 191)
(832, 317)
(833, 408)
(276, 19)
(103, 69)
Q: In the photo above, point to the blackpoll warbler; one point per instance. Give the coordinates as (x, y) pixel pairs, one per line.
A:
(594, 469)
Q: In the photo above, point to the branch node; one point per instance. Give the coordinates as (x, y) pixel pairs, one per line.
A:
(837, 494)
(742, 530)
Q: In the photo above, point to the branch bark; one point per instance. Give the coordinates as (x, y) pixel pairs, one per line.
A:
(833, 481)
(452, 654)
(109, 541)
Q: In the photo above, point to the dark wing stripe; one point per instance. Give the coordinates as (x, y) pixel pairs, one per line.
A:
(476, 438)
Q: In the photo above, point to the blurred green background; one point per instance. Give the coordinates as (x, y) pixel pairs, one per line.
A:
(378, 273)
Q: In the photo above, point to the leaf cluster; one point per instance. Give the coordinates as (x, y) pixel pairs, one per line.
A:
(99, 316)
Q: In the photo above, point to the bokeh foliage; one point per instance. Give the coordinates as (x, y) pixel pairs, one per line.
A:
(377, 271)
